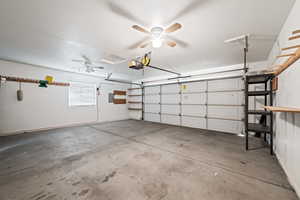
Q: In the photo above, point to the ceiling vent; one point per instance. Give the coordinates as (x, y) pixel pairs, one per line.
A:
(113, 59)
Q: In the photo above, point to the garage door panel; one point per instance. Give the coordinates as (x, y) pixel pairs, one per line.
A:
(192, 110)
(194, 98)
(152, 99)
(173, 88)
(227, 98)
(227, 84)
(152, 117)
(139, 106)
(191, 103)
(135, 92)
(135, 98)
(152, 90)
(225, 126)
(169, 119)
(152, 108)
(194, 122)
(226, 112)
(194, 87)
(170, 98)
(170, 109)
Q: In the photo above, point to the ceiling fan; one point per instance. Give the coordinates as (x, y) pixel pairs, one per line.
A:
(167, 39)
(157, 36)
(88, 64)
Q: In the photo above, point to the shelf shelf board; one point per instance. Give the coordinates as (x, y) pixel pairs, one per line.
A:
(135, 109)
(288, 63)
(135, 102)
(258, 93)
(258, 128)
(294, 37)
(282, 109)
(259, 112)
(296, 32)
(134, 88)
(259, 78)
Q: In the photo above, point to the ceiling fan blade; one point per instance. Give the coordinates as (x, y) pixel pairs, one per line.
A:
(140, 29)
(139, 43)
(80, 61)
(86, 59)
(177, 41)
(89, 70)
(118, 10)
(173, 28)
(144, 45)
(98, 67)
(171, 43)
(189, 8)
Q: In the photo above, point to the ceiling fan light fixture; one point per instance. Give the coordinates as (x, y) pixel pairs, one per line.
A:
(157, 32)
(89, 70)
(156, 43)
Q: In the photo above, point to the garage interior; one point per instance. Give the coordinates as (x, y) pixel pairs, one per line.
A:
(155, 100)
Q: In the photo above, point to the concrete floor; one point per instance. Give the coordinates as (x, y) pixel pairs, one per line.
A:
(137, 160)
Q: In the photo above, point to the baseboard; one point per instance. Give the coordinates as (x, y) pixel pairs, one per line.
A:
(55, 127)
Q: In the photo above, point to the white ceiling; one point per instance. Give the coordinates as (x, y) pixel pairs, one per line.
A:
(53, 32)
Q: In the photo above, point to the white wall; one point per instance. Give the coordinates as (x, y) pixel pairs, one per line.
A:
(44, 108)
(109, 111)
(287, 142)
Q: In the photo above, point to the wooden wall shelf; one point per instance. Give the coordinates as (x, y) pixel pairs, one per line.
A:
(119, 101)
(119, 92)
(286, 55)
(296, 32)
(135, 102)
(27, 80)
(293, 57)
(294, 37)
(291, 47)
(282, 109)
(291, 60)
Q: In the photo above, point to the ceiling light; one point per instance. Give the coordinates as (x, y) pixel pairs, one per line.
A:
(156, 43)
(157, 32)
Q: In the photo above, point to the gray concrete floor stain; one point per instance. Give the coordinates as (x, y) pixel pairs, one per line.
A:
(137, 160)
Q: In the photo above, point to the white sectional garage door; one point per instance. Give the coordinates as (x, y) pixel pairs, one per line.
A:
(194, 99)
(152, 104)
(212, 104)
(170, 104)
